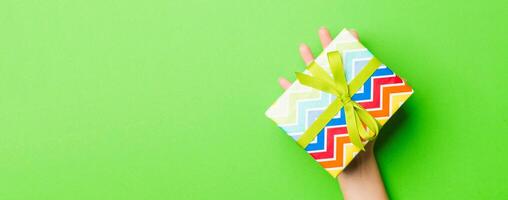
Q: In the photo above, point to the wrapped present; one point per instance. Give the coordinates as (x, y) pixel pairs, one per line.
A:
(339, 103)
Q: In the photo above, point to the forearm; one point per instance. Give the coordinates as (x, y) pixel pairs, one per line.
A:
(362, 180)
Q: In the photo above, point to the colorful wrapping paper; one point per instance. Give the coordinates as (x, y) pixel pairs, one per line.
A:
(299, 106)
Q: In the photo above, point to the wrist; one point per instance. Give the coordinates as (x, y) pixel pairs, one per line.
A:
(361, 178)
(363, 164)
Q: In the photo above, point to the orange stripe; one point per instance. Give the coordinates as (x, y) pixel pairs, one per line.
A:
(339, 153)
(385, 108)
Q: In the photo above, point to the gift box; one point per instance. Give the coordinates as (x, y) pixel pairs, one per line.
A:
(339, 103)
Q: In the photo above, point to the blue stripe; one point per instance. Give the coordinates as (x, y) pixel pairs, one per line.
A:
(367, 87)
(320, 142)
(302, 111)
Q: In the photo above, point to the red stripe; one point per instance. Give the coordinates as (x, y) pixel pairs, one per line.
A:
(330, 142)
(376, 87)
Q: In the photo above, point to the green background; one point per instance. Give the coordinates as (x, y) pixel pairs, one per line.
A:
(165, 99)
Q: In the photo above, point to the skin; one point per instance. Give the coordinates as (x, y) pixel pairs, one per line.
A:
(361, 179)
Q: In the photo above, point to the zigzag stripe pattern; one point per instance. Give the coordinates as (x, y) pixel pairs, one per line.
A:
(307, 112)
(381, 95)
(291, 100)
(309, 109)
(378, 87)
(388, 94)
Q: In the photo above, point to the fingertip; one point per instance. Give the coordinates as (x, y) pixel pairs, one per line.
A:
(324, 36)
(306, 54)
(284, 83)
(303, 47)
(323, 30)
(354, 32)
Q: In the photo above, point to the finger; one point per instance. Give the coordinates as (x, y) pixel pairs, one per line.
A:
(306, 54)
(284, 83)
(324, 36)
(355, 33)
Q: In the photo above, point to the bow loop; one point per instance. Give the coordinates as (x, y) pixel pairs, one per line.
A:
(360, 124)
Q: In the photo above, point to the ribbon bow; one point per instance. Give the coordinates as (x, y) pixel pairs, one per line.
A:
(356, 115)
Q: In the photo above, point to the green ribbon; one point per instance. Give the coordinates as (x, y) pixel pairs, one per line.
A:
(356, 115)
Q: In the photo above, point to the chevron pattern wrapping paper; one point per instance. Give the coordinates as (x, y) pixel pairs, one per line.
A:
(299, 106)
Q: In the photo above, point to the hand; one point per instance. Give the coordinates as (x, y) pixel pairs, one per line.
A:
(361, 178)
